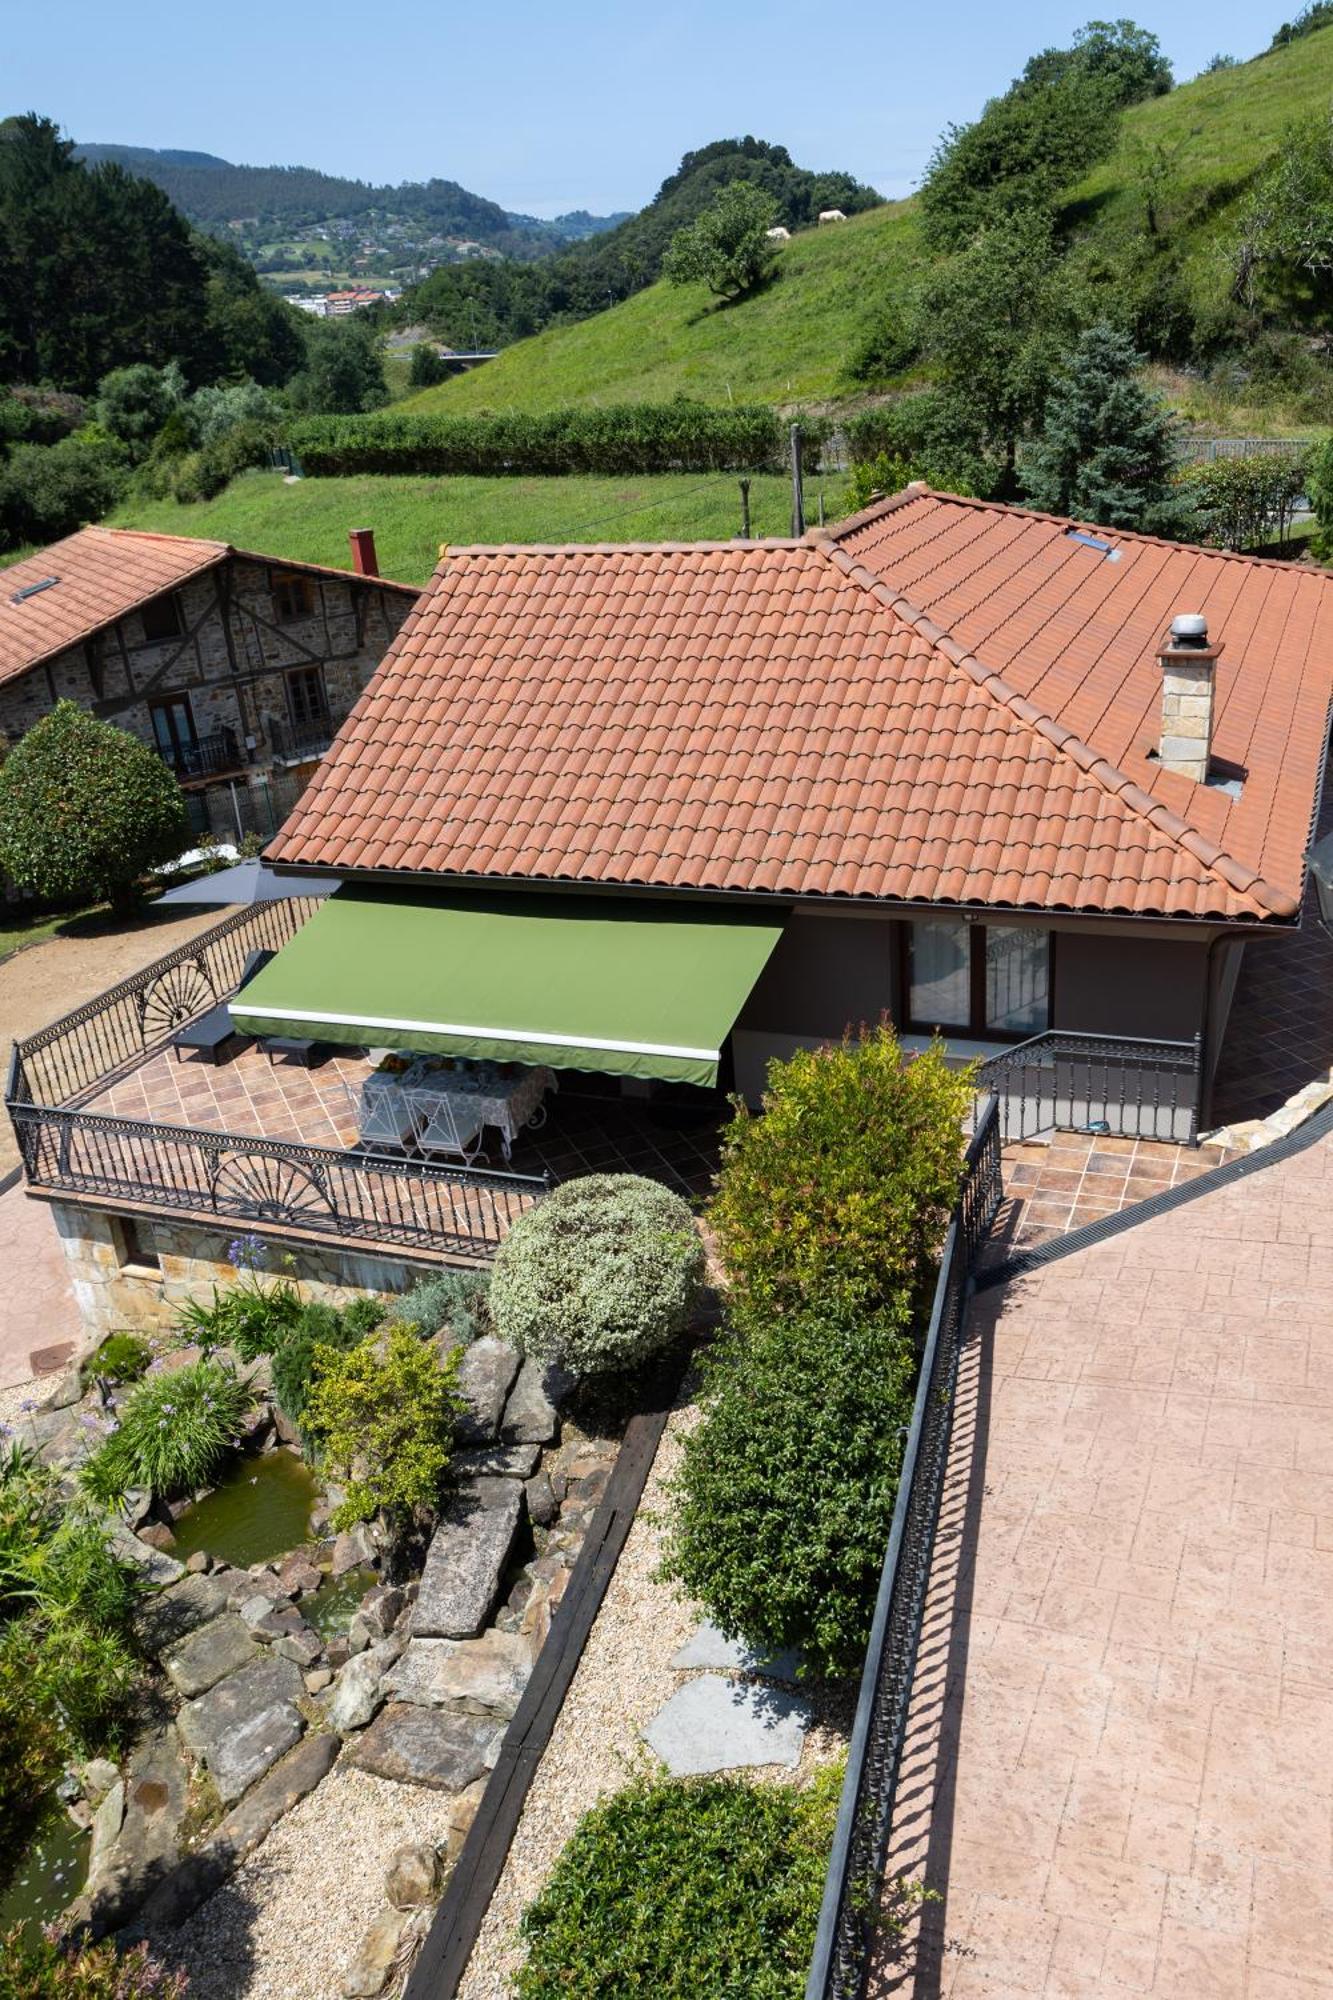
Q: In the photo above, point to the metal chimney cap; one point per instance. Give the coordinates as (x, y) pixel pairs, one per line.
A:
(1190, 628)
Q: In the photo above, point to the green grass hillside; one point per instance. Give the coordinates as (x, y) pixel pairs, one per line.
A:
(309, 519)
(790, 343)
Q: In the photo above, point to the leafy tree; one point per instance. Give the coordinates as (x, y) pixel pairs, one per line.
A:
(1025, 148)
(344, 370)
(215, 412)
(1106, 451)
(428, 367)
(1285, 248)
(1317, 15)
(85, 809)
(1120, 53)
(727, 249)
(50, 490)
(134, 403)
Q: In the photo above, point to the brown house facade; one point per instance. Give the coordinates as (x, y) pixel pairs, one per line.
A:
(235, 667)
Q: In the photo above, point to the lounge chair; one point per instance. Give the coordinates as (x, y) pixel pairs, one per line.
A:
(213, 1030)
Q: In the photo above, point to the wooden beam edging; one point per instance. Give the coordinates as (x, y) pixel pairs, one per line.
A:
(452, 1937)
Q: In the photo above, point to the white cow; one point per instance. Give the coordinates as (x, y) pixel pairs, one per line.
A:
(778, 235)
(831, 215)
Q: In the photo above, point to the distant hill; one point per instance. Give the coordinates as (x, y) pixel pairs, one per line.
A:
(255, 204)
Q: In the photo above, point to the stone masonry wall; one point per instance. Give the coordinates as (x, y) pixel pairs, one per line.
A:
(111, 1296)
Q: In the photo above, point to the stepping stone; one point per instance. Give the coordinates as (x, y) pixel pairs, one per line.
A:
(427, 1746)
(466, 1559)
(708, 1647)
(531, 1415)
(164, 1620)
(486, 1674)
(206, 1655)
(242, 1726)
(717, 1723)
(485, 1375)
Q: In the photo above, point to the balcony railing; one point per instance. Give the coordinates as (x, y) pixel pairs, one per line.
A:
(1108, 1084)
(283, 1186)
(205, 757)
(298, 743)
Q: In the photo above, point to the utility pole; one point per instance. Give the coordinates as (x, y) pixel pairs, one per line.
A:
(797, 497)
(745, 510)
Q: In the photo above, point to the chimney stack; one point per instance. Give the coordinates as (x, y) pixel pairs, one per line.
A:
(363, 551)
(1187, 661)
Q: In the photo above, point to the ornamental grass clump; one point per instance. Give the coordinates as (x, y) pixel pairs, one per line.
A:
(382, 1417)
(600, 1275)
(685, 1890)
(839, 1195)
(782, 1505)
(249, 1316)
(173, 1432)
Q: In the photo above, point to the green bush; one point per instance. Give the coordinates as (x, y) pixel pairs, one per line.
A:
(319, 1325)
(52, 1970)
(382, 1416)
(251, 1317)
(50, 490)
(122, 1357)
(838, 1197)
(86, 809)
(174, 1429)
(703, 1890)
(787, 1484)
(456, 1300)
(600, 1275)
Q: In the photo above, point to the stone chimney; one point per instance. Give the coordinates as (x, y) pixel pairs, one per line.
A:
(1187, 662)
(363, 551)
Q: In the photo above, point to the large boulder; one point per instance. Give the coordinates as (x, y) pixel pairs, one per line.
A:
(147, 1844)
(163, 1621)
(466, 1560)
(485, 1376)
(208, 1654)
(483, 1676)
(357, 1692)
(242, 1726)
(427, 1746)
(532, 1413)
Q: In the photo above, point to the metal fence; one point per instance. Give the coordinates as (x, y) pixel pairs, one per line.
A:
(1096, 1083)
(1204, 451)
(853, 1889)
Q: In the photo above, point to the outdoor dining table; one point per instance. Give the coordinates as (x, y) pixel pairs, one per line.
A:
(479, 1095)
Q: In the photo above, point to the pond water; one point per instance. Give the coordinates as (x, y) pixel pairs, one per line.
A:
(50, 1875)
(330, 1608)
(259, 1509)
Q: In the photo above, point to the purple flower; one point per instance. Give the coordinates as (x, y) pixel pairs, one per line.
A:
(27, 1405)
(168, 1409)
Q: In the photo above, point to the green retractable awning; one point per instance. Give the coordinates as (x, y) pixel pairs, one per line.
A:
(629, 988)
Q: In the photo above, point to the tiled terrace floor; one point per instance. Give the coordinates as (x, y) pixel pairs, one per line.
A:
(245, 1094)
(1119, 1771)
(1074, 1179)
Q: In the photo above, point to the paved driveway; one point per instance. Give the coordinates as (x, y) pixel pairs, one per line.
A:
(1119, 1775)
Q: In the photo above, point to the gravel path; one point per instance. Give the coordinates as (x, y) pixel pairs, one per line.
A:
(621, 1682)
(288, 1923)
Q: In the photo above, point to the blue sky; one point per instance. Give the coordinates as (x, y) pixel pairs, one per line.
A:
(545, 107)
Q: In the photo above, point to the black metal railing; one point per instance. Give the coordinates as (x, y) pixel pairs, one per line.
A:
(1125, 1088)
(205, 757)
(276, 1185)
(296, 743)
(849, 1917)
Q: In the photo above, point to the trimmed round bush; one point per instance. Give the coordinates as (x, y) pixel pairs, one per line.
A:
(600, 1275)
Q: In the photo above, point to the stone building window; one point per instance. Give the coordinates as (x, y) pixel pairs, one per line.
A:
(306, 698)
(162, 619)
(293, 597)
(135, 1249)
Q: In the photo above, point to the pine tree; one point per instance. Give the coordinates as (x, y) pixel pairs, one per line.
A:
(1106, 451)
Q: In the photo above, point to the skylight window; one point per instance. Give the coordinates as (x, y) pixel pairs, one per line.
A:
(1087, 541)
(31, 589)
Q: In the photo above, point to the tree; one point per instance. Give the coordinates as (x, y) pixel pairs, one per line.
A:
(344, 371)
(85, 809)
(1022, 152)
(1106, 451)
(1286, 238)
(728, 248)
(134, 403)
(1121, 53)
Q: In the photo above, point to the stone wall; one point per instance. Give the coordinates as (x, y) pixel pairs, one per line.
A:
(112, 1294)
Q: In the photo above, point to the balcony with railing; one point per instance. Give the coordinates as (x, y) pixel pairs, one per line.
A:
(204, 757)
(303, 742)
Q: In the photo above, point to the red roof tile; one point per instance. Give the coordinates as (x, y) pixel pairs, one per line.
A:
(775, 718)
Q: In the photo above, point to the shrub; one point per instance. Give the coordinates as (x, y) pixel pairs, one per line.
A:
(249, 1316)
(50, 490)
(1245, 503)
(122, 1357)
(318, 1326)
(86, 809)
(382, 1416)
(698, 1889)
(172, 1433)
(787, 1485)
(456, 1300)
(838, 1197)
(51, 1970)
(600, 1275)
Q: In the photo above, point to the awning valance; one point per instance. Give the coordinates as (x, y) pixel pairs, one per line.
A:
(627, 987)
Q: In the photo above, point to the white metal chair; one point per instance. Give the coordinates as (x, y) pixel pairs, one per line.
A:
(447, 1123)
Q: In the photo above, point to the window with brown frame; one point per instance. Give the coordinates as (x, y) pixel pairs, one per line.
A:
(162, 619)
(306, 697)
(293, 597)
(992, 981)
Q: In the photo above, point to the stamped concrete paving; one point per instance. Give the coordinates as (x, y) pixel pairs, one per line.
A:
(1119, 1771)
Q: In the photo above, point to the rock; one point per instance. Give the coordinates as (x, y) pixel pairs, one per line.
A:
(162, 1621)
(298, 1575)
(719, 1723)
(318, 1679)
(378, 1613)
(199, 1563)
(337, 1652)
(482, 1676)
(542, 1508)
(485, 1376)
(461, 1815)
(708, 1647)
(352, 1549)
(156, 1790)
(66, 1390)
(96, 1777)
(466, 1560)
(157, 1535)
(584, 1492)
(253, 1606)
(376, 1955)
(531, 1415)
(413, 1876)
(242, 1726)
(106, 1824)
(428, 1746)
(203, 1657)
(357, 1692)
(305, 1646)
(497, 1461)
(154, 1566)
(285, 1622)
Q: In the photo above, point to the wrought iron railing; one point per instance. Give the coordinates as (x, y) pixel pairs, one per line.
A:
(296, 745)
(1096, 1083)
(275, 1184)
(205, 756)
(853, 1889)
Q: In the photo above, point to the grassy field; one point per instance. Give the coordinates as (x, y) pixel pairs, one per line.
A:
(791, 343)
(309, 519)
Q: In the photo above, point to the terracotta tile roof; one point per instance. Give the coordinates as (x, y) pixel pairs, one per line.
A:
(758, 718)
(103, 573)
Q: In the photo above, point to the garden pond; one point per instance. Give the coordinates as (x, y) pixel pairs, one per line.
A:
(259, 1510)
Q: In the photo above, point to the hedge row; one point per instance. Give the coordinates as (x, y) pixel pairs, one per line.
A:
(622, 438)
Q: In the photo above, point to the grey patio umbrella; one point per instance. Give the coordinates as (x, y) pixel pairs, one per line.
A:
(250, 882)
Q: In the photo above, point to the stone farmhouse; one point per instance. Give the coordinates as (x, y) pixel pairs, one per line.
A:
(236, 667)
